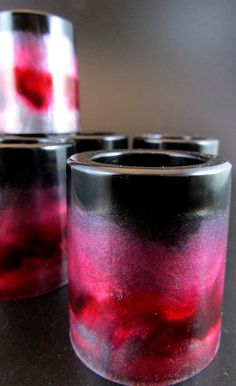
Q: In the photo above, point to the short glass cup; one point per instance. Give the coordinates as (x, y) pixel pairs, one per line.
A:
(147, 237)
(33, 216)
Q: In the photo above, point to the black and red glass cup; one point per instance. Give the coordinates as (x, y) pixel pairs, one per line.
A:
(171, 142)
(38, 74)
(147, 246)
(99, 141)
(33, 216)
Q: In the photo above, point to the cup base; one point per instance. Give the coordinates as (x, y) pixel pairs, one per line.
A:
(206, 355)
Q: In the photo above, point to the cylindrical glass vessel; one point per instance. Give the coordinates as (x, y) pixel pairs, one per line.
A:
(33, 217)
(147, 244)
(38, 74)
(169, 142)
(99, 141)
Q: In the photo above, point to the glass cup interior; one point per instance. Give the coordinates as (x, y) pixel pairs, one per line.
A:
(155, 160)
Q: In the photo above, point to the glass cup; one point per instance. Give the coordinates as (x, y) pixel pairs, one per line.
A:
(38, 74)
(147, 237)
(171, 142)
(33, 216)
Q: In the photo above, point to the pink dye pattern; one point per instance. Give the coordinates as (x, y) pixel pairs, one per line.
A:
(32, 244)
(40, 84)
(35, 87)
(144, 312)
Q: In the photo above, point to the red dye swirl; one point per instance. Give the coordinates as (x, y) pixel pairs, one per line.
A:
(36, 87)
(32, 260)
(141, 311)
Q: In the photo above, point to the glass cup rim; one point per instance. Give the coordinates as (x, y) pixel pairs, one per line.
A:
(204, 163)
(56, 24)
(34, 12)
(32, 143)
(98, 135)
(155, 137)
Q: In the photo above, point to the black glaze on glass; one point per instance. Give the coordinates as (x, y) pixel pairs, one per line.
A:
(29, 135)
(40, 135)
(86, 141)
(36, 22)
(26, 161)
(99, 140)
(33, 216)
(169, 142)
(147, 238)
(199, 186)
(36, 138)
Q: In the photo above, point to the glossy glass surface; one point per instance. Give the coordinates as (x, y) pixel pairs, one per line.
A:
(33, 218)
(168, 142)
(38, 74)
(146, 265)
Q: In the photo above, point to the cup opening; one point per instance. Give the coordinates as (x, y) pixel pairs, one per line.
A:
(198, 138)
(178, 137)
(95, 133)
(155, 160)
(29, 135)
(167, 137)
(101, 133)
(27, 141)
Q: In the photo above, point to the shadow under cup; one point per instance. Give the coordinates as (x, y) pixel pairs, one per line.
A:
(147, 239)
(33, 216)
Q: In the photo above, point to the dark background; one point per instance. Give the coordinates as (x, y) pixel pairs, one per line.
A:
(164, 65)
